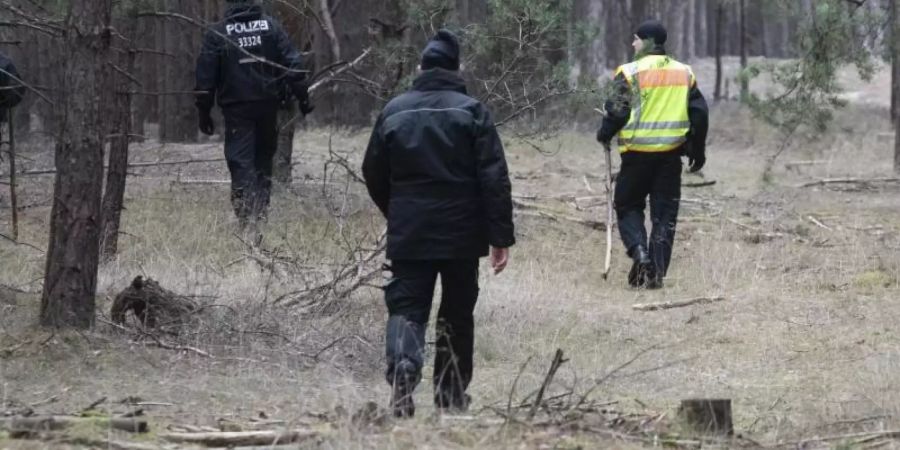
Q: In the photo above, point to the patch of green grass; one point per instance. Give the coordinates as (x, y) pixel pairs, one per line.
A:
(874, 279)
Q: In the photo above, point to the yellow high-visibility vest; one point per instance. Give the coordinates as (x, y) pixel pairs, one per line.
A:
(660, 87)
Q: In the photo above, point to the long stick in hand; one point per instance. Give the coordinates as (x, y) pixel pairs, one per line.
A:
(609, 210)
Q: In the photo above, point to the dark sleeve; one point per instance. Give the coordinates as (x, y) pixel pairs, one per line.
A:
(493, 179)
(208, 71)
(289, 57)
(618, 110)
(376, 168)
(9, 79)
(698, 113)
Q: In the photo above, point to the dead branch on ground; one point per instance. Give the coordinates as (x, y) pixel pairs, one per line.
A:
(241, 438)
(676, 303)
(554, 366)
(857, 181)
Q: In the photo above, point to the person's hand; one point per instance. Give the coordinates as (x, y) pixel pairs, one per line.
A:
(305, 106)
(696, 162)
(207, 126)
(499, 259)
(302, 94)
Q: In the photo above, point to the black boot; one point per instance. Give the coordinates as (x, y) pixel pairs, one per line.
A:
(642, 270)
(403, 386)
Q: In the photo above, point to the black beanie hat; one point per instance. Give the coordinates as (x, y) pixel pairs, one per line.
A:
(652, 29)
(441, 51)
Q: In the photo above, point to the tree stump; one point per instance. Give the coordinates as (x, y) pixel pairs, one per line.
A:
(152, 305)
(707, 416)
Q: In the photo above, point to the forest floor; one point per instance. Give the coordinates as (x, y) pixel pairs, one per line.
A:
(805, 342)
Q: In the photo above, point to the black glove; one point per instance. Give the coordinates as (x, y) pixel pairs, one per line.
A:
(696, 161)
(207, 126)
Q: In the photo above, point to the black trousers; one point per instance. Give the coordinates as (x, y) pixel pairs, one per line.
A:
(657, 176)
(409, 295)
(251, 139)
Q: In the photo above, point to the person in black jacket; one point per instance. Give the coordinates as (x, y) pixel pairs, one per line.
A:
(435, 168)
(11, 89)
(652, 148)
(244, 64)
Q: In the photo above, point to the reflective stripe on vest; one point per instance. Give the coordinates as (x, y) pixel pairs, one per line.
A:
(659, 106)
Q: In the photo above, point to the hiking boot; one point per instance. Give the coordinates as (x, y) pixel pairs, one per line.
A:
(451, 403)
(642, 269)
(404, 385)
(654, 282)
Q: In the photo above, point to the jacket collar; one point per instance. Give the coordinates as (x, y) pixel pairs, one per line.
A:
(439, 80)
(657, 50)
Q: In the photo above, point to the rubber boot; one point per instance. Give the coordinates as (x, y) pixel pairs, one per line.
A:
(403, 386)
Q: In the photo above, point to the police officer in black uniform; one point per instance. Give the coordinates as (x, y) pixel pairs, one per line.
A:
(245, 62)
(11, 89)
(436, 169)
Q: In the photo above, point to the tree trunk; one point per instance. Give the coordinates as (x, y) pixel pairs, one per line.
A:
(178, 121)
(690, 40)
(114, 195)
(894, 46)
(895, 81)
(702, 29)
(720, 22)
(282, 163)
(70, 282)
(745, 82)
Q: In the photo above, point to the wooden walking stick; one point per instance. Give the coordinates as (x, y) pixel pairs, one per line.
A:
(609, 210)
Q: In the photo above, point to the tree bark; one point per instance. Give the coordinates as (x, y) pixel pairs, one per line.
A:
(178, 121)
(114, 195)
(895, 79)
(690, 41)
(282, 163)
(745, 83)
(720, 22)
(70, 282)
(894, 46)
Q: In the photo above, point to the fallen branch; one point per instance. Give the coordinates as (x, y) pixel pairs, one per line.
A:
(554, 366)
(864, 181)
(891, 434)
(592, 224)
(240, 438)
(699, 184)
(26, 426)
(676, 304)
(818, 223)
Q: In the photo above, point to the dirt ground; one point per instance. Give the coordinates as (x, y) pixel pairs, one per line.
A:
(805, 343)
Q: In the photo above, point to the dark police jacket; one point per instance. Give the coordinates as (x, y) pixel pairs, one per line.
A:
(436, 169)
(11, 91)
(247, 57)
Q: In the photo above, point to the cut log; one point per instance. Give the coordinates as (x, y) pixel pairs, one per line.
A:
(676, 303)
(151, 304)
(707, 416)
(240, 438)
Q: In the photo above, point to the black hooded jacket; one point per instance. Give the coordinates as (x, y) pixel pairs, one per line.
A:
(436, 169)
(246, 57)
(11, 90)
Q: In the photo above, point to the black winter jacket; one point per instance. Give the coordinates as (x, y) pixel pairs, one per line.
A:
(436, 169)
(11, 91)
(247, 57)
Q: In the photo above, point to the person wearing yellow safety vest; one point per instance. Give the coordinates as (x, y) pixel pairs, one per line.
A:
(659, 115)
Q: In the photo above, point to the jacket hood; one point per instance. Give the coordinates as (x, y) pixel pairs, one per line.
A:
(438, 79)
(244, 12)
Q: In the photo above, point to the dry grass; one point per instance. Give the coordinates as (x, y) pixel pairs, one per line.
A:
(806, 339)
